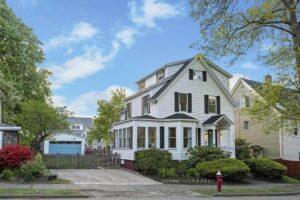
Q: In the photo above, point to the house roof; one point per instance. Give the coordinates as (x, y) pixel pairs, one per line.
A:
(144, 117)
(207, 64)
(253, 84)
(9, 127)
(161, 90)
(163, 67)
(179, 116)
(215, 119)
(87, 122)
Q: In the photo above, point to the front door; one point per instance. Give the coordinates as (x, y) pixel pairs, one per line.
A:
(210, 138)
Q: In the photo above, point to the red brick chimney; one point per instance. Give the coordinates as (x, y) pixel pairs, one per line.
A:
(268, 78)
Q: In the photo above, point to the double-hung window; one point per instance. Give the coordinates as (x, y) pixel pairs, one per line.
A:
(152, 137)
(145, 105)
(128, 110)
(141, 133)
(212, 104)
(172, 137)
(183, 102)
(187, 137)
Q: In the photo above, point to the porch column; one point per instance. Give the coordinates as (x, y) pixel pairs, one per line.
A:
(134, 137)
(214, 137)
(146, 138)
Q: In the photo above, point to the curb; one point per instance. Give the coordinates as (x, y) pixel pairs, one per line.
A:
(256, 194)
(30, 196)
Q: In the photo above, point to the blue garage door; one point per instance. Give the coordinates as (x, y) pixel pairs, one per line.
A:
(64, 147)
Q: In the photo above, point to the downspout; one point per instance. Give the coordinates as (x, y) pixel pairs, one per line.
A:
(282, 148)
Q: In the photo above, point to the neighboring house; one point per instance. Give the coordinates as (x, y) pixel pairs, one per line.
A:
(183, 104)
(71, 141)
(9, 134)
(284, 144)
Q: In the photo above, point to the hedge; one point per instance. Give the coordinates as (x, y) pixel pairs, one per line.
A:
(229, 167)
(266, 167)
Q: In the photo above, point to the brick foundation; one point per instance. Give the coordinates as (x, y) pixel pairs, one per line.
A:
(128, 164)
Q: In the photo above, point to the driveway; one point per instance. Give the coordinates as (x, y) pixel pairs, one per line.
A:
(103, 177)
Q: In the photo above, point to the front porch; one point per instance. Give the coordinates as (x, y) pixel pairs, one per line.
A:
(175, 136)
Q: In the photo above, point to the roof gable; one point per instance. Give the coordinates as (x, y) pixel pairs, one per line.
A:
(185, 67)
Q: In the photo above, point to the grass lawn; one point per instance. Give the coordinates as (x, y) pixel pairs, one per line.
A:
(291, 180)
(28, 191)
(246, 190)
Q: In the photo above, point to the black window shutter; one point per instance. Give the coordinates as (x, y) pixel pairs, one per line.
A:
(204, 75)
(176, 102)
(190, 102)
(218, 105)
(131, 137)
(162, 137)
(191, 74)
(205, 104)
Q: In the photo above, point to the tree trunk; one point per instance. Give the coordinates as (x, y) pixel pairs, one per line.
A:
(294, 26)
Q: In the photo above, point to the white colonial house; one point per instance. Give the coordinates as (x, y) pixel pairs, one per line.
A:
(182, 104)
(277, 144)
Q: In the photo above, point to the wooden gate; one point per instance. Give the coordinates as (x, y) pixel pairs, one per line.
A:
(93, 160)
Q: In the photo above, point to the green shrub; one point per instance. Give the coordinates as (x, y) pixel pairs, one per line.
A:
(192, 172)
(7, 174)
(167, 172)
(204, 153)
(151, 160)
(31, 170)
(180, 167)
(242, 149)
(266, 168)
(229, 167)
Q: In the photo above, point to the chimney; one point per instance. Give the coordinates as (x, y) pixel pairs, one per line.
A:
(268, 78)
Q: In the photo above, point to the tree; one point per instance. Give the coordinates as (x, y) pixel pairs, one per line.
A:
(242, 149)
(20, 53)
(108, 112)
(232, 28)
(39, 120)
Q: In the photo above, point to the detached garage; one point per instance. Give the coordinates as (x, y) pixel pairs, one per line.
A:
(64, 143)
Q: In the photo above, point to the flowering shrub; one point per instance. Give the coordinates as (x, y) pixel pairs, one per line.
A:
(13, 156)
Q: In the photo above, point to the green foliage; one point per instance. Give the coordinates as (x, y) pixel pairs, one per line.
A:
(266, 168)
(151, 160)
(204, 153)
(32, 169)
(21, 53)
(7, 174)
(180, 167)
(192, 172)
(242, 149)
(108, 112)
(232, 29)
(39, 120)
(229, 167)
(167, 172)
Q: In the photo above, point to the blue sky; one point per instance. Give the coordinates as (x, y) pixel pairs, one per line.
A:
(95, 46)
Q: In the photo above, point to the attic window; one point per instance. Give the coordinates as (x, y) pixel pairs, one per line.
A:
(76, 127)
(160, 75)
(141, 85)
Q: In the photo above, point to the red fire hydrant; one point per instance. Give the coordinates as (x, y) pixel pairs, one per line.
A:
(219, 181)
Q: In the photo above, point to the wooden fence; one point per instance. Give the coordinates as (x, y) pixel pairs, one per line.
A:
(93, 160)
(292, 166)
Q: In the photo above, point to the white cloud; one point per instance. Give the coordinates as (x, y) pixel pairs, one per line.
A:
(126, 36)
(81, 66)
(235, 78)
(68, 52)
(151, 10)
(80, 31)
(85, 105)
(249, 65)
